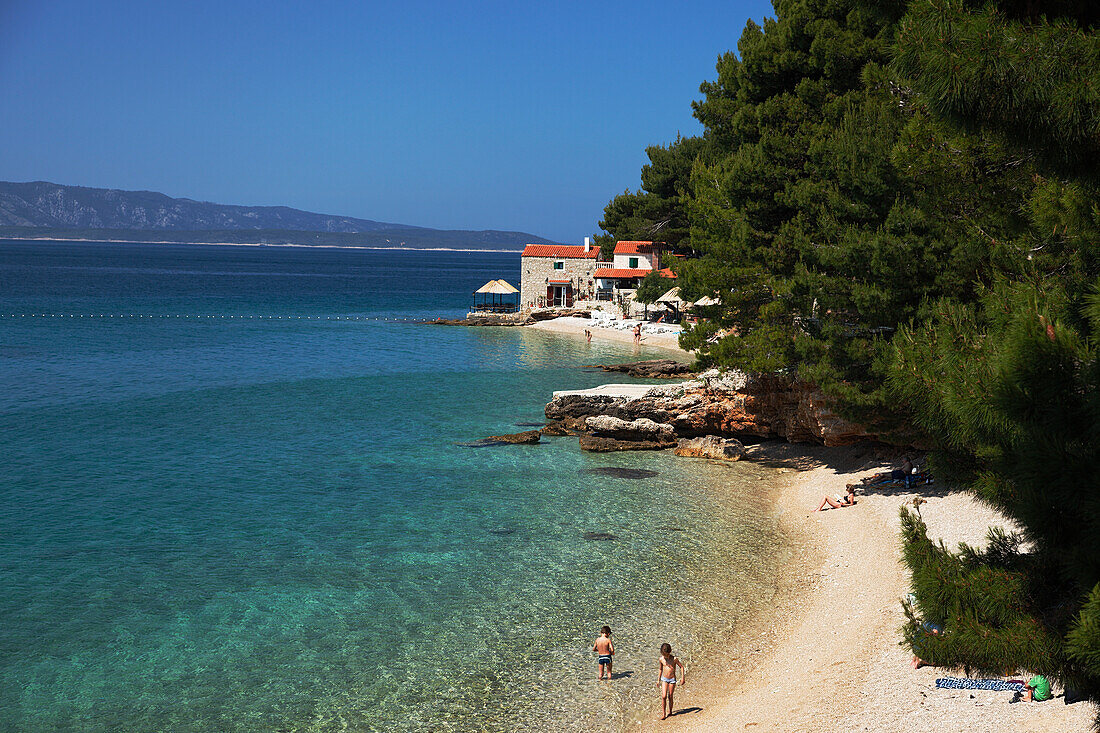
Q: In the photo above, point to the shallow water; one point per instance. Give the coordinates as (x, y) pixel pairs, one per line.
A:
(235, 500)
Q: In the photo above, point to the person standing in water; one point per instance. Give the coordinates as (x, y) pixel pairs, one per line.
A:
(666, 676)
(604, 650)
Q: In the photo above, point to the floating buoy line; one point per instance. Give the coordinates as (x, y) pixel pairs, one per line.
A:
(197, 317)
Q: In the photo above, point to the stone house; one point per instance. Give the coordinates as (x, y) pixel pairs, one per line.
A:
(557, 274)
(632, 262)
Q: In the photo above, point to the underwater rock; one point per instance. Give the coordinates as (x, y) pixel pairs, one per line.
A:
(651, 369)
(599, 536)
(555, 428)
(600, 444)
(616, 472)
(482, 443)
(526, 437)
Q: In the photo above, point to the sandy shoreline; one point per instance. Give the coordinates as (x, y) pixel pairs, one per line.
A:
(828, 658)
(576, 327)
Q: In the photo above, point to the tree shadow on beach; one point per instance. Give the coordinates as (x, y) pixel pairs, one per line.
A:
(897, 488)
(847, 460)
(807, 456)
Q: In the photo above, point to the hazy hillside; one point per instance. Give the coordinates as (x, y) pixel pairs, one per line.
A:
(50, 209)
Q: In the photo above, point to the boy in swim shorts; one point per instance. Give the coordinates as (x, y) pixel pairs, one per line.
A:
(604, 650)
(666, 677)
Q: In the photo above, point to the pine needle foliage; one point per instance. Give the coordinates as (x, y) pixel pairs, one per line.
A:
(1015, 393)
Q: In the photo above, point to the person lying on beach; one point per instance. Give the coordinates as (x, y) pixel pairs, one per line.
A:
(917, 662)
(840, 501)
(666, 677)
(604, 650)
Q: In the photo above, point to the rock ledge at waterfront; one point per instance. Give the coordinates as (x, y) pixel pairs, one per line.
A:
(724, 404)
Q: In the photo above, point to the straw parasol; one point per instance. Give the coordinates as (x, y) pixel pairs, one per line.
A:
(496, 296)
(496, 287)
(672, 297)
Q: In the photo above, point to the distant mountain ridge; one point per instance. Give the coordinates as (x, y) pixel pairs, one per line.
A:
(68, 210)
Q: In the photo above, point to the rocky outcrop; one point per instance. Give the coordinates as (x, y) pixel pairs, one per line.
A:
(526, 437)
(711, 446)
(546, 314)
(728, 404)
(484, 319)
(601, 444)
(651, 369)
(640, 429)
(605, 433)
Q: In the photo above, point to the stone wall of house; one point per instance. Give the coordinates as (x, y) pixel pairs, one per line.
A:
(535, 271)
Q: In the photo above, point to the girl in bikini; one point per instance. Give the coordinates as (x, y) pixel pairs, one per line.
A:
(667, 664)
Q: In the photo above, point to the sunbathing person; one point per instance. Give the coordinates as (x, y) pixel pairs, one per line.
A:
(929, 628)
(840, 501)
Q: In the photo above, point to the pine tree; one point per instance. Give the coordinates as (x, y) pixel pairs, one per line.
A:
(1008, 381)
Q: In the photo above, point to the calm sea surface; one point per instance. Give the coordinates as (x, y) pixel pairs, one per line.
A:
(233, 497)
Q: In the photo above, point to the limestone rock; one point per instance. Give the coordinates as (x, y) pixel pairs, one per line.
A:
(600, 444)
(651, 369)
(555, 428)
(641, 428)
(484, 319)
(526, 437)
(728, 404)
(711, 446)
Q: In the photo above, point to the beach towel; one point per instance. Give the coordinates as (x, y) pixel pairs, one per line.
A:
(965, 683)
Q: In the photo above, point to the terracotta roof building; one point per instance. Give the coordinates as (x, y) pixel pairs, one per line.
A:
(557, 274)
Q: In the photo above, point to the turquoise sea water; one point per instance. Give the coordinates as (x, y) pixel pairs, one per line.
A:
(233, 497)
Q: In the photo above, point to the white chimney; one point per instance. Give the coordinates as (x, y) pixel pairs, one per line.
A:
(587, 244)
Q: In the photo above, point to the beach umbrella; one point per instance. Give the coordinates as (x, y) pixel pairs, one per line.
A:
(496, 287)
(494, 293)
(672, 297)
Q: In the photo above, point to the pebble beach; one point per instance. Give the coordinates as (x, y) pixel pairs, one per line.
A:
(828, 658)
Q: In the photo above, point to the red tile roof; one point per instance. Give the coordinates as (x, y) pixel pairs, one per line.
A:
(620, 272)
(625, 272)
(560, 250)
(633, 248)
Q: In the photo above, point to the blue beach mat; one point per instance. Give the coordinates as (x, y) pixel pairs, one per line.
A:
(965, 683)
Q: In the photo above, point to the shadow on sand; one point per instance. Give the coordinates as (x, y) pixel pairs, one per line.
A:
(846, 460)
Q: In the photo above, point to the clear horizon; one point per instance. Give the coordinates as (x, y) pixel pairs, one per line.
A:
(490, 117)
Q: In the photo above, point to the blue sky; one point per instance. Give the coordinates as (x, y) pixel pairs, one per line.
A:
(456, 115)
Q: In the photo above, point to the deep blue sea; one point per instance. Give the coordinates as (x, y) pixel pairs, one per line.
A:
(234, 497)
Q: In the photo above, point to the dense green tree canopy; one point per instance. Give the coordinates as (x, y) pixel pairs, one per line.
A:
(898, 201)
(1008, 382)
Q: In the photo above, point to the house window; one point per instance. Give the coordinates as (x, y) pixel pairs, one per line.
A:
(559, 265)
(633, 263)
